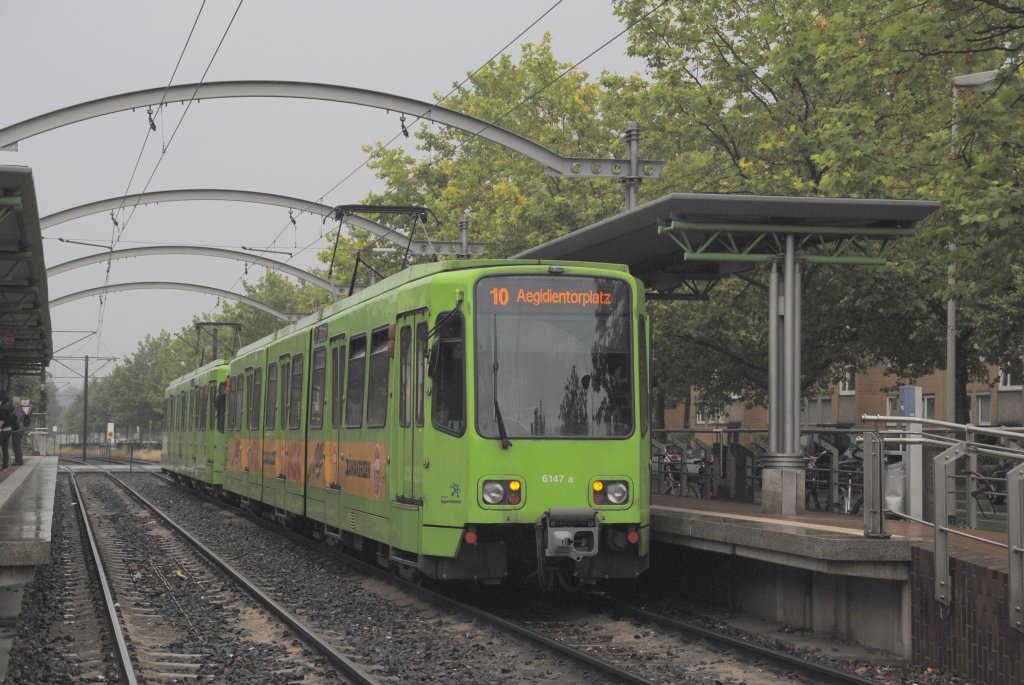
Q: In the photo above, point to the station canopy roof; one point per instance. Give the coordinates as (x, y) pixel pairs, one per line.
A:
(684, 238)
(26, 345)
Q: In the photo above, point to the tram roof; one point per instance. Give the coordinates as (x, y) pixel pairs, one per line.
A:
(642, 238)
(26, 335)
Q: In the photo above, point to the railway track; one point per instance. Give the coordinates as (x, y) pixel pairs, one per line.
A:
(180, 619)
(617, 643)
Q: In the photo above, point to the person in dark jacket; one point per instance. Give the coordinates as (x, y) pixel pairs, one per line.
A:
(8, 422)
(19, 431)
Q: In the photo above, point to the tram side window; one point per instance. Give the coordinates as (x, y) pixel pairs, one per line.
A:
(219, 405)
(203, 392)
(286, 374)
(405, 375)
(182, 408)
(247, 409)
(270, 418)
(449, 374)
(645, 397)
(421, 370)
(337, 382)
(197, 407)
(316, 388)
(377, 396)
(169, 414)
(295, 407)
(236, 418)
(257, 393)
(356, 378)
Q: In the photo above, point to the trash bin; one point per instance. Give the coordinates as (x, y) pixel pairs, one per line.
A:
(895, 486)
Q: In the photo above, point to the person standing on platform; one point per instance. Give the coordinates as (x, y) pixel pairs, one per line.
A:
(19, 430)
(8, 421)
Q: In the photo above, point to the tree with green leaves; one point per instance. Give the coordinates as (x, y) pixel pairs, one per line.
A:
(841, 98)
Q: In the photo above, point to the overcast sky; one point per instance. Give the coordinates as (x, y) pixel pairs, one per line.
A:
(62, 53)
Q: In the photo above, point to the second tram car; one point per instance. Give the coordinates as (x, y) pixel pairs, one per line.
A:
(463, 419)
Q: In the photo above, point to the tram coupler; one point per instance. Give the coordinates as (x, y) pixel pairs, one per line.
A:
(569, 533)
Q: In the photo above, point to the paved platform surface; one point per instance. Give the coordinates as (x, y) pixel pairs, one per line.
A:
(26, 522)
(816, 540)
(26, 513)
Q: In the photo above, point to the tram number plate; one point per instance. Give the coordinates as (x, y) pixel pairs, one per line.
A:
(556, 478)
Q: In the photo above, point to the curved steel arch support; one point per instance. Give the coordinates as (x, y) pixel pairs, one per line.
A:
(193, 251)
(556, 164)
(403, 241)
(158, 196)
(171, 285)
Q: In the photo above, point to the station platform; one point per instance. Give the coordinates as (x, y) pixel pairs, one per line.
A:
(26, 520)
(817, 572)
(823, 541)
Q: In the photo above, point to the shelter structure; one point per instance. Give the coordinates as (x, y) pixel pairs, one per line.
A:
(26, 345)
(690, 241)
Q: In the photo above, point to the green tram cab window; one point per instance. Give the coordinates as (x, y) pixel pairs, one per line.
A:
(448, 373)
(554, 357)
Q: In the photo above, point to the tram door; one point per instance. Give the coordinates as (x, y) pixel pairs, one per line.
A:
(405, 465)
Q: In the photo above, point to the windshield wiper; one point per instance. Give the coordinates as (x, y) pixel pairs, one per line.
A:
(502, 433)
(505, 442)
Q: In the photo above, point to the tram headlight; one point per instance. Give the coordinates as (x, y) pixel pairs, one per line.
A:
(493, 492)
(616, 492)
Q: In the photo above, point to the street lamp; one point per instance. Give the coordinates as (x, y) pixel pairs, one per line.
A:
(983, 80)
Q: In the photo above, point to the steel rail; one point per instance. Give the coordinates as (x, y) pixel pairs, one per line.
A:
(337, 659)
(532, 635)
(123, 657)
(441, 601)
(819, 672)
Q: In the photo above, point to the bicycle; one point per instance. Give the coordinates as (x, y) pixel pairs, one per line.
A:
(986, 491)
(696, 471)
(811, 470)
(852, 466)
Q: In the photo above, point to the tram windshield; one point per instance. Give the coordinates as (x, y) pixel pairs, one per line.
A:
(553, 357)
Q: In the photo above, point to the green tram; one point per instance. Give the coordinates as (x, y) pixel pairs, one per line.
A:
(464, 419)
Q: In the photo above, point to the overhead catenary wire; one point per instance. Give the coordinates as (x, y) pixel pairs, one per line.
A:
(455, 89)
(404, 129)
(124, 226)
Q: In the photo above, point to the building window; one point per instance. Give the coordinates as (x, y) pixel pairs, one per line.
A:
(929, 406)
(982, 414)
(848, 385)
(817, 411)
(1008, 381)
(892, 406)
(704, 417)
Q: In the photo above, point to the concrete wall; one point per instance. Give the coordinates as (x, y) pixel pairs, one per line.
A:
(871, 612)
(973, 636)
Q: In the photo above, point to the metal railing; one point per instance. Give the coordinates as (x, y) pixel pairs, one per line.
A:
(977, 443)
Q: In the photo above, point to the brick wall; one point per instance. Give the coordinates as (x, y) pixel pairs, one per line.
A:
(973, 636)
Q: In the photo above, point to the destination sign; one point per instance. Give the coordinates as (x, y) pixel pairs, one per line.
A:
(545, 292)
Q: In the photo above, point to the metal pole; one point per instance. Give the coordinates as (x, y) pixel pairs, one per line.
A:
(214, 336)
(797, 349)
(951, 346)
(1015, 543)
(790, 398)
(874, 489)
(632, 182)
(464, 236)
(774, 403)
(85, 409)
